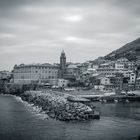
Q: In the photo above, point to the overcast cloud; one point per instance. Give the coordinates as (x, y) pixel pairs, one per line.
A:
(36, 31)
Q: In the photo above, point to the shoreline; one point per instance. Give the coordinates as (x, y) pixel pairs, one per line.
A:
(31, 107)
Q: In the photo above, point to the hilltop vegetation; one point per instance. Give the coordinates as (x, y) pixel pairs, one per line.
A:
(131, 51)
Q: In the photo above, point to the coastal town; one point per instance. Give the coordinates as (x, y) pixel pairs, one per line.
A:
(69, 70)
(119, 77)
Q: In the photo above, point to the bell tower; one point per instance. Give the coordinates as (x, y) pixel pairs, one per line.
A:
(62, 64)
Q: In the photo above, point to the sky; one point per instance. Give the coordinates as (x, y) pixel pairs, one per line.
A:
(36, 31)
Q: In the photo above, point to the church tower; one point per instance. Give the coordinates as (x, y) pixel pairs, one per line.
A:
(62, 64)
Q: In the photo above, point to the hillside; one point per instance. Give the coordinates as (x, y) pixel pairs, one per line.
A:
(131, 51)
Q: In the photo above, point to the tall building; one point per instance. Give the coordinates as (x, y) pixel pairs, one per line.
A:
(62, 64)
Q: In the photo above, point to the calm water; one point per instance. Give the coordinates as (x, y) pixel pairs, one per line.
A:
(118, 122)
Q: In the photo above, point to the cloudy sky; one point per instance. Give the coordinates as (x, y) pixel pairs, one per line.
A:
(37, 30)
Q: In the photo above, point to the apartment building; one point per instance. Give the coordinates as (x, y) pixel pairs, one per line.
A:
(108, 72)
(35, 73)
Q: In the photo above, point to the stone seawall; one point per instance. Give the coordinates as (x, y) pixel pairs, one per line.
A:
(57, 106)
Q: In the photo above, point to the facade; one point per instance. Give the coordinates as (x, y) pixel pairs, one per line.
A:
(118, 83)
(95, 66)
(137, 86)
(138, 71)
(72, 71)
(35, 73)
(132, 78)
(109, 65)
(105, 88)
(108, 72)
(82, 68)
(105, 84)
(62, 82)
(131, 65)
(126, 72)
(127, 64)
(119, 65)
(104, 81)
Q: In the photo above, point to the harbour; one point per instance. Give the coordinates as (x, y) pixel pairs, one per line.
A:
(118, 121)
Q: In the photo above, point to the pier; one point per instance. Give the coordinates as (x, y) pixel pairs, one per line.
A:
(112, 98)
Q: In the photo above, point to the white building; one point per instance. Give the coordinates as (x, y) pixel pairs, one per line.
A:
(119, 66)
(95, 66)
(127, 64)
(62, 82)
(104, 81)
(35, 73)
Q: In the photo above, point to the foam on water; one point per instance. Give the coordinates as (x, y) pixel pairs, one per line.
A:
(34, 109)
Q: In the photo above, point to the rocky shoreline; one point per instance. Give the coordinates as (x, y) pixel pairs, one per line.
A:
(56, 105)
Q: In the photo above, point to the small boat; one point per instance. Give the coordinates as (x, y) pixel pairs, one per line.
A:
(115, 100)
(127, 101)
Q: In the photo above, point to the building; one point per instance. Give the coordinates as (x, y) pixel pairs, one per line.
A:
(5, 74)
(62, 70)
(105, 84)
(108, 65)
(72, 72)
(82, 68)
(127, 64)
(104, 81)
(119, 65)
(138, 71)
(118, 83)
(126, 72)
(62, 82)
(132, 78)
(35, 73)
(137, 86)
(108, 72)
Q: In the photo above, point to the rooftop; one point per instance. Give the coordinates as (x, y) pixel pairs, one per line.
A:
(35, 64)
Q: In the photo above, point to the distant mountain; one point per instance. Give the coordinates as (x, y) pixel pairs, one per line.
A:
(131, 51)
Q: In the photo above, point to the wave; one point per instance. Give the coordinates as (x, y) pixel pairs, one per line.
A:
(37, 111)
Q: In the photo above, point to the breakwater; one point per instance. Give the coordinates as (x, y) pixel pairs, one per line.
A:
(58, 107)
(55, 104)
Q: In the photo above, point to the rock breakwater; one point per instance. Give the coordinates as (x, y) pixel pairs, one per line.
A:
(57, 106)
